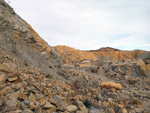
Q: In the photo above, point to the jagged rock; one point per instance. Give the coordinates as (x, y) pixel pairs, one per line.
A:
(32, 105)
(71, 108)
(32, 97)
(61, 106)
(110, 85)
(48, 105)
(81, 106)
(23, 106)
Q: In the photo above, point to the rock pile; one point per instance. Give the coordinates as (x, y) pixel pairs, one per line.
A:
(36, 79)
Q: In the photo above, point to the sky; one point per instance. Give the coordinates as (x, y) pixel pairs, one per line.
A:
(89, 24)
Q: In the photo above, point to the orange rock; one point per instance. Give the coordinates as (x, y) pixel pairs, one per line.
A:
(48, 49)
(139, 106)
(41, 100)
(94, 91)
(106, 104)
(109, 85)
(22, 96)
(137, 101)
(121, 103)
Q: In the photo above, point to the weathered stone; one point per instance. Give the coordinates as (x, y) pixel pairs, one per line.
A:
(31, 97)
(9, 68)
(58, 98)
(32, 105)
(81, 106)
(48, 105)
(106, 103)
(61, 105)
(12, 79)
(71, 108)
(18, 111)
(27, 102)
(22, 96)
(2, 78)
(18, 86)
(41, 100)
(14, 96)
(11, 105)
(109, 85)
(23, 106)
(6, 90)
(24, 77)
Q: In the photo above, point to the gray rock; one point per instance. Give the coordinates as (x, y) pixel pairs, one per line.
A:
(23, 106)
(27, 102)
(81, 106)
(11, 105)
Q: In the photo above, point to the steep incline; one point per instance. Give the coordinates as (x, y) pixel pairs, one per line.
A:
(18, 38)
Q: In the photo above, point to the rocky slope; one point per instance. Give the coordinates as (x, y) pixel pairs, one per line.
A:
(36, 79)
(113, 77)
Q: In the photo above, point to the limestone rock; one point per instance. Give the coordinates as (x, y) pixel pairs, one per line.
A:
(14, 96)
(32, 105)
(12, 79)
(48, 105)
(32, 97)
(81, 106)
(11, 105)
(2, 78)
(71, 108)
(23, 106)
(109, 85)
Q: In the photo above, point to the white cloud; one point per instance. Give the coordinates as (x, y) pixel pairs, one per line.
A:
(89, 24)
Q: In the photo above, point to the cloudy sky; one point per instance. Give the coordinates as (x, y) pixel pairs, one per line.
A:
(89, 24)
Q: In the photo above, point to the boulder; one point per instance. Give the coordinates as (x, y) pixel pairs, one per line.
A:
(110, 85)
(71, 108)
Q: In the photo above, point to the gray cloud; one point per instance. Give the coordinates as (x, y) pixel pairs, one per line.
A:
(89, 24)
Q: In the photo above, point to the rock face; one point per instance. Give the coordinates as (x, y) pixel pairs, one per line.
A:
(33, 78)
